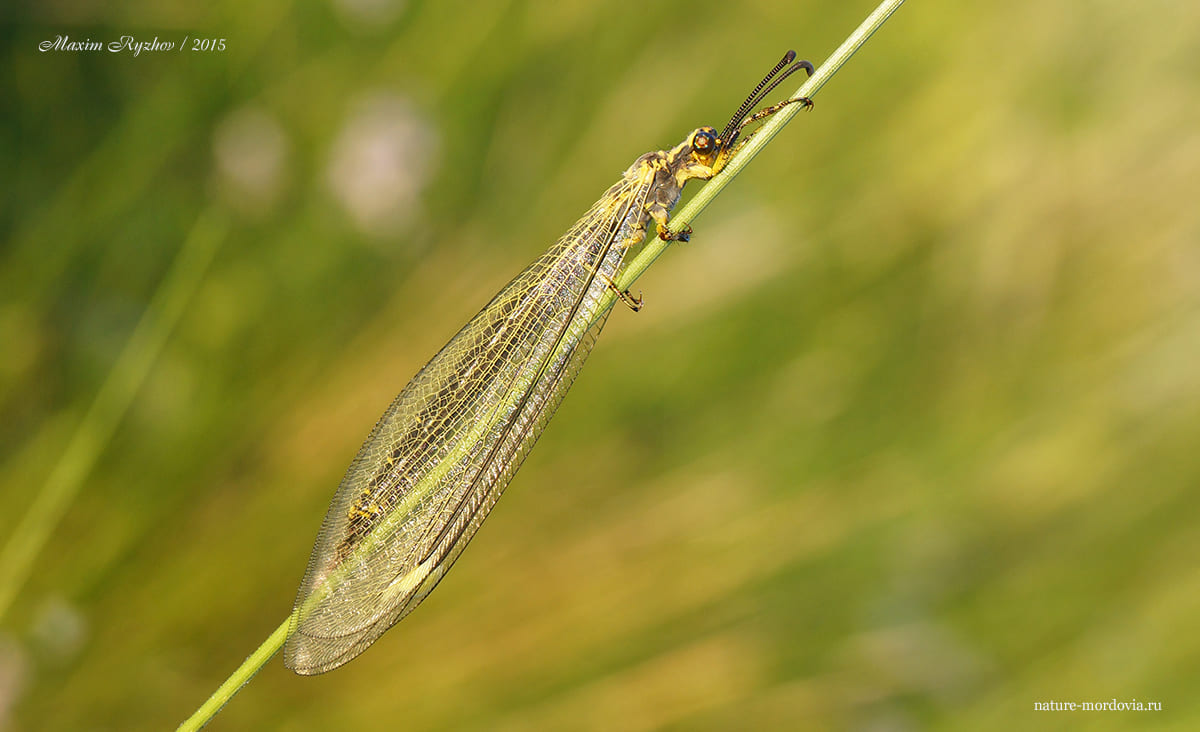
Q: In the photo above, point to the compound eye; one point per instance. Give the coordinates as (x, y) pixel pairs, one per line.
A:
(704, 142)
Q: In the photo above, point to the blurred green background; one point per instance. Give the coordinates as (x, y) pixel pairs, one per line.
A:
(906, 438)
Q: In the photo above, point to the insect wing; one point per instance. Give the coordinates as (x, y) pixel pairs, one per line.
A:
(443, 452)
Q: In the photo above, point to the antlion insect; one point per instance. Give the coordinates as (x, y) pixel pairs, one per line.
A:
(443, 452)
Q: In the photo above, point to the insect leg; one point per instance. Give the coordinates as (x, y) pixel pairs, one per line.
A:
(768, 111)
(761, 115)
(635, 304)
(659, 213)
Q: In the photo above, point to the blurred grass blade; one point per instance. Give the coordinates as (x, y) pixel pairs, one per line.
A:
(110, 405)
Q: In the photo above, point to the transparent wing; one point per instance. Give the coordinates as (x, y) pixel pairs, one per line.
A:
(443, 452)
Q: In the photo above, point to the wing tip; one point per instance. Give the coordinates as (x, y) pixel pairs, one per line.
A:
(308, 656)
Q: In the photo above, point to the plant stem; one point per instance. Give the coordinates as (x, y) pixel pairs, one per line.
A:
(655, 246)
(636, 266)
(237, 679)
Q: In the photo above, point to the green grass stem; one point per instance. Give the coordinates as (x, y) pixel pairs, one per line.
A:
(654, 246)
